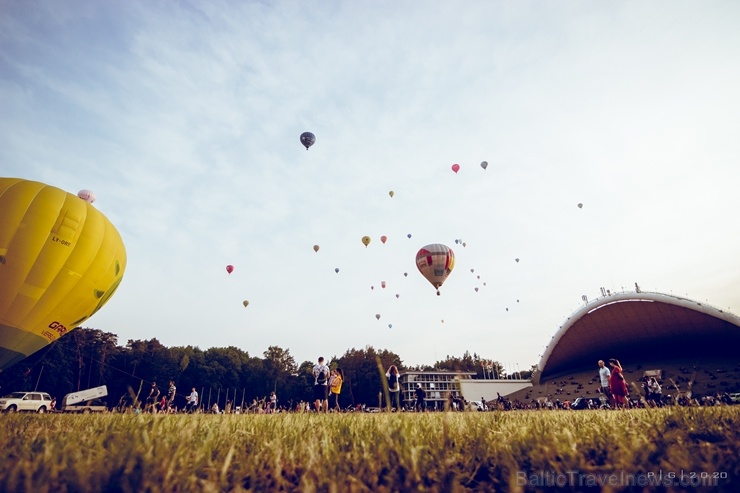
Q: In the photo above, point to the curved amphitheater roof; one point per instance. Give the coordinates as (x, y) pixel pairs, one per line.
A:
(639, 326)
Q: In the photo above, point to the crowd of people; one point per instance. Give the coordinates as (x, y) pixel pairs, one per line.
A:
(613, 393)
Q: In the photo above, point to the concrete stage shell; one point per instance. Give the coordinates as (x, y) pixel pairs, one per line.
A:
(634, 327)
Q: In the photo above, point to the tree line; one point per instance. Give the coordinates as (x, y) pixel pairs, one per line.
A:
(86, 358)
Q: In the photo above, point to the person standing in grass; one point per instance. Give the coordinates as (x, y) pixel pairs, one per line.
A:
(421, 395)
(153, 398)
(320, 386)
(192, 401)
(171, 393)
(604, 375)
(394, 387)
(618, 385)
(335, 388)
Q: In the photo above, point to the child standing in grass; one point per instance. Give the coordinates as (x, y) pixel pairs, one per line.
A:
(335, 387)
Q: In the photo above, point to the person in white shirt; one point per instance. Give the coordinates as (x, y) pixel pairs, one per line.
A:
(604, 375)
(192, 401)
(321, 386)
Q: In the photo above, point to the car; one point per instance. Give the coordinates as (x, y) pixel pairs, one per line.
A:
(37, 402)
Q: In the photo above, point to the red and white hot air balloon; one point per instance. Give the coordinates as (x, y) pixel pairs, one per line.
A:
(435, 262)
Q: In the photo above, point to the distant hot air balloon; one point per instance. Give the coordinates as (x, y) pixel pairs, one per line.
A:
(457, 241)
(507, 309)
(476, 290)
(87, 195)
(408, 235)
(377, 316)
(382, 284)
(315, 248)
(405, 274)
(308, 139)
(435, 262)
(517, 260)
(464, 244)
(455, 167)
(61, 260)
(478, 277)
(484, 164)
(398, 295)
(472, 270)
(229, 269)
(390, 326)
(336, 270)
(372, 287)
(580, 206)
(391, 193)
(366, 241)
(246, 303)
(383, 239)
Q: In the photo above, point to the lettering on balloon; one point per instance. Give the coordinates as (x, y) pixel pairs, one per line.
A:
(61, 329)
(48, 335)
(63, 242)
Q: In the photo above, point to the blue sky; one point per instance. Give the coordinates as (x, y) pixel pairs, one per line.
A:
(184, 118)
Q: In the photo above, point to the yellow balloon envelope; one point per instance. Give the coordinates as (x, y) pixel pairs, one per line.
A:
(60, 262)
(366, 240)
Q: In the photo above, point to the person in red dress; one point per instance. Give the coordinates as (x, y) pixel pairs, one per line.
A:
(618, 385)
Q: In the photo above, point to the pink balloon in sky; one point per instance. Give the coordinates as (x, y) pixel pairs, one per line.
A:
(455, 167)
(89, 196)
(229, 269)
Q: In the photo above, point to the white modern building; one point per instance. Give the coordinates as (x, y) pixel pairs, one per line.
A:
(441, 385)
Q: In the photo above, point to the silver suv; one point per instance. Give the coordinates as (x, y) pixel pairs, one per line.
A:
(37, 402)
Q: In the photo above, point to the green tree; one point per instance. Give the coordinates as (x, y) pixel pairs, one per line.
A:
(363, 380)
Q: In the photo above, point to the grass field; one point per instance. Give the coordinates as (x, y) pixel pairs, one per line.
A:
(495, 451)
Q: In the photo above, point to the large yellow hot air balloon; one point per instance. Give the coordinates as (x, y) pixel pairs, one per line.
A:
(60, 262)
(435, 262)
